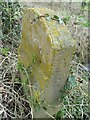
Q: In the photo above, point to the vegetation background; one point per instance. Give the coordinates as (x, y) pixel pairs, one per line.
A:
(75, 99)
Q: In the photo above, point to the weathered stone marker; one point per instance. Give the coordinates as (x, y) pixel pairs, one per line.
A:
(48, 48)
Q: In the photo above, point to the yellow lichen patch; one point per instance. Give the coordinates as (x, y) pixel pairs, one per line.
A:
(37, 96)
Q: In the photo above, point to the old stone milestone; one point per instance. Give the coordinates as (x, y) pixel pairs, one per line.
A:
(47, 49)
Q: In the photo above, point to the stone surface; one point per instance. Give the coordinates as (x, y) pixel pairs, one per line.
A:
(74, 10)
(48, 47)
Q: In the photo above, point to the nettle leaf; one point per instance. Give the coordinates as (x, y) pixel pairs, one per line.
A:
(66, 19)
(48, 18)
(82, 16)
(36, 16)
(61, 21)
(15, 17)
(34, 57)
(3, 18)
(46, 15)
(4, 51)
(44, 108)
(85, 24)
(60, 114)
(56, 17)
(72, 81)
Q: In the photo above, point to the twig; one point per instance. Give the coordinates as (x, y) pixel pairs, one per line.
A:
(50, 115)
(5, 59)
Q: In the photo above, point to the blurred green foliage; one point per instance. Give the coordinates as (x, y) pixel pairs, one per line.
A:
(4, 51)
(74, 97)
(11, 17)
